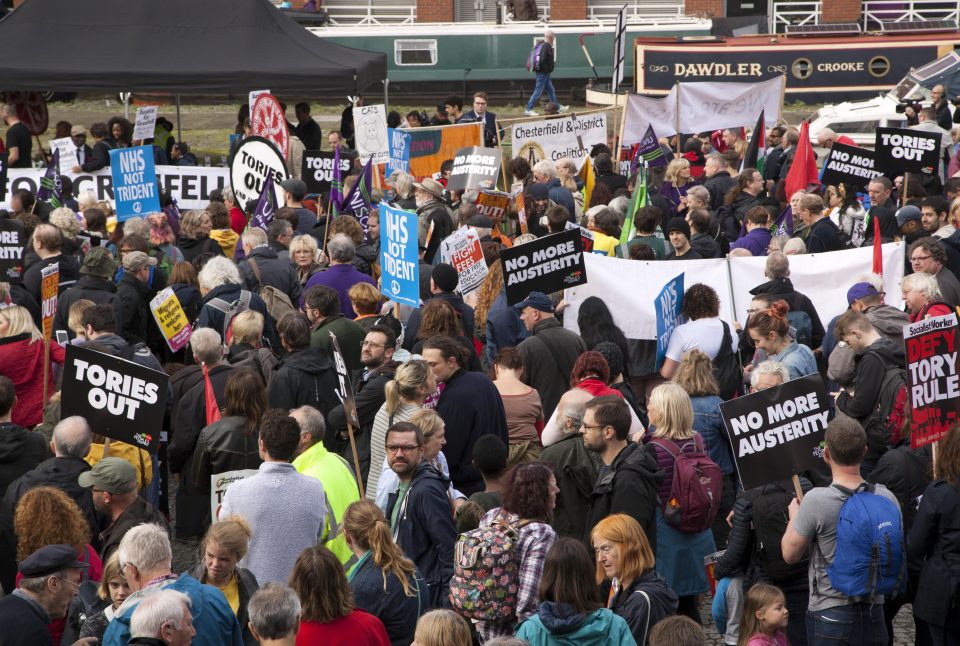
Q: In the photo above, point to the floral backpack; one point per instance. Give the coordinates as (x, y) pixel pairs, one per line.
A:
(486, 572)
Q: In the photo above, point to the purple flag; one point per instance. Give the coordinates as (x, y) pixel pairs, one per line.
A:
(50, 186)
(336, 187)
(357, 200)
(649, 151)
(266, 206)
(784, 224)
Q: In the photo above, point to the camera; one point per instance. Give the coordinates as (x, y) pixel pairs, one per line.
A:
(903, 105)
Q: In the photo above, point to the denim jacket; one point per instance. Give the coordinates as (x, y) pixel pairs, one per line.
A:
(707, 422)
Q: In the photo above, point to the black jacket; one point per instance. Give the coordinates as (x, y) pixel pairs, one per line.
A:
(464, 312)
(226, 445)
(548, 358)
(247, 585)
(274, 271)
(135, 296)
(546, 59)
(425, 530)
(190, 417)
(304, 377)
(438, 214)
(705, 245)
(368, 397)
(640, 613)
(575, 469)
(871, 368)
(99, 157)
(824, 236)
(905, 472)
(933, 546)
(628, 487)
(99, 290)
(20, 451)
(69, 273)
(138, 513)
(783, 288)
(193, 247)
(22, 623)
(719, 185)
(387, 601)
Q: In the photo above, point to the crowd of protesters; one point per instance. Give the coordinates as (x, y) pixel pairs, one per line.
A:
(475, 417)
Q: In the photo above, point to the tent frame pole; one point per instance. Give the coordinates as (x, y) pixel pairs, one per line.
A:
(179, 132)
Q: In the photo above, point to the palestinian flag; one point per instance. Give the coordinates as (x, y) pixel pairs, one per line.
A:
(756, 154)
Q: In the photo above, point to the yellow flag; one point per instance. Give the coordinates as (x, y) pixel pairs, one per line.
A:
(586, 174)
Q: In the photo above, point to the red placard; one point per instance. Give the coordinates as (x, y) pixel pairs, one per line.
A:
(933, 384)
(31, 110)
(269, 122)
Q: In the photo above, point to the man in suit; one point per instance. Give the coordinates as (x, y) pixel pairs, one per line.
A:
(480, 113)
(78, 135)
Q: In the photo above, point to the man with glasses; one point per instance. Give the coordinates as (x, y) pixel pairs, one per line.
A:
(942, 106)
(51, 579)
(627, 482)
(928, 256)
(113, 482)
(419, 511)
(481, 114)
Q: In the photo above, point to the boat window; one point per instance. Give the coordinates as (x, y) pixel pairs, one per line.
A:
(415, 52)
(854, 126)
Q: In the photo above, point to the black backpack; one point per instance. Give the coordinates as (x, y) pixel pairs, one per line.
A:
(770, 518)
(726, 369)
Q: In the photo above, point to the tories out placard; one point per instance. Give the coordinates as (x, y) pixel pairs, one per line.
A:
(11, 251)
(316, 169)
(932, 381)
(120, 399)
(901, 150)
(255, 161)
(399, 260)
(134, 182)
(668, 305)
(546, 265)
(849, 165)
(475, 168)
(493, 204)
(776, 433)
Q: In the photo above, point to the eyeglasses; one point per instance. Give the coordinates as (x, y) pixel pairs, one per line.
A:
(920, 258)
(371, 344)
(401, 449)
(74, 583)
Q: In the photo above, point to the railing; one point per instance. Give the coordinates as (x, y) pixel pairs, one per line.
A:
(360, 16)
(794, 13)
(877, 12)
(636, 12)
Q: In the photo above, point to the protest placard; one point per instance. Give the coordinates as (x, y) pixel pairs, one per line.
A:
(493, 204)
(120, 399)
(68, 153)
(134, 182)
(475, 167)
(49, 288)
(399, 160)
(146, 122)
(849, 165)
(252, 98)
(268, 121)
(255, 160)
(346, 384)
(430, 146)
(399, 257)
(586, 236)
(3, 178)
(219, 483)
(554, 139)
(370, 133)
(777, 433)
(546, 265)
(668, 305)
(11, 251)
(901, 150)
(932, 381)
(171, 319)
(462, 250)
(316, 170)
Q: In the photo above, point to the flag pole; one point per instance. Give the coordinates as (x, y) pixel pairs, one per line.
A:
(356, 457)
(46, 368)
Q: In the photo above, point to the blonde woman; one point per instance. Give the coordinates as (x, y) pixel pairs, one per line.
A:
(195, 237)
(442, 628)
(21, 360)
(304, 254)
(404, 395)
(676, 182)
(679, 555)
(567, 174)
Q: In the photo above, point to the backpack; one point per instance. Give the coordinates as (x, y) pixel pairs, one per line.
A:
(486, 572)
(869, 558)
(697, 483)
(276, 301)
(770, 518)
(885, 421)
(534, 58)
(803, 324)
(230, 310)
(726, 369)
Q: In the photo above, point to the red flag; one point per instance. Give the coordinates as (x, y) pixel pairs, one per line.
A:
(803, 171)
(877, 250)
(209, 398)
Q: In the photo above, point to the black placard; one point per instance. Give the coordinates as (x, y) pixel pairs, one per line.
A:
(11, 251)
(316, 169)
(346, 386)
(777, 432)
(3, 176)
(546, 265)
(475, 167)
(901, 150)
(119, 399)
(849, 165)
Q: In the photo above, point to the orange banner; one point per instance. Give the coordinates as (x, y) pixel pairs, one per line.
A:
(49, 286)
(432, 145)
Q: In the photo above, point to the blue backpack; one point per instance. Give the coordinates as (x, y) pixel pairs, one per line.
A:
(869, 558)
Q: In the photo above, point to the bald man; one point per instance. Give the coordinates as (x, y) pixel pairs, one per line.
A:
(940, 103)
(827, 137)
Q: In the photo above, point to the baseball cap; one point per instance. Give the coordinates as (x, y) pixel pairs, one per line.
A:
(538, 301)
(294, 187)
(861, 290)
(113, 475)
(77, 130)
(908, 213)
(99, 262)
(137, 260)
(50, 559)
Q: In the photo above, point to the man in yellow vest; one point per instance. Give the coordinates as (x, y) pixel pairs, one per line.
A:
(339, 483)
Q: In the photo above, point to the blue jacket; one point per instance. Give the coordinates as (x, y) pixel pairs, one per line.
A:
(425, 530)
(214, 621)
(756, 242)
(504, 328)
(707, 422)
(798, 359)
(556, 625)
(397, 611)
(562, 196)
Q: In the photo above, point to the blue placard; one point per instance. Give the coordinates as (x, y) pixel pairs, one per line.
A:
(399, 259)
(400, 142)
(668, 305)
(134, 182)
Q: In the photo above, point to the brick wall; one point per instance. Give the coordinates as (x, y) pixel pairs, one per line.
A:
(568, 9)
(713, 8)
(841, 11)
(435, 10)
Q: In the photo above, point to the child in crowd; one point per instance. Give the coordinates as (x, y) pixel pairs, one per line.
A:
(765, 617)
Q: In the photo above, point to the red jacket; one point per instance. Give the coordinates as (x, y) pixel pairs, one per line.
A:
(22, 361)
(597, 388)
(356, 629)
(238, 220)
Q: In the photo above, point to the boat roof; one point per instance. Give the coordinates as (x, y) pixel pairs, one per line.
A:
(780, 40)
(420, 29)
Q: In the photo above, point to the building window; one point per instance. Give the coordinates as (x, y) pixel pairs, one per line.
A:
(415, 52)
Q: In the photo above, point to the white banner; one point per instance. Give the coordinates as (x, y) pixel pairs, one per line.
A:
(630, 287)
(146, 121)
(701, 107)
(554, 139)
(190, 186)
